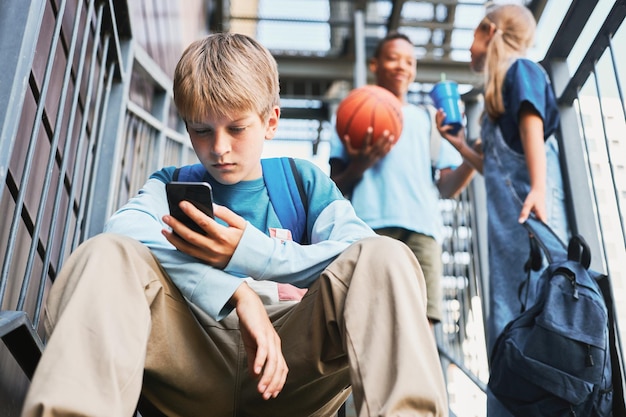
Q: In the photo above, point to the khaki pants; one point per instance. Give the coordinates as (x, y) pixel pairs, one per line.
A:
(122, 328)
(428, 253)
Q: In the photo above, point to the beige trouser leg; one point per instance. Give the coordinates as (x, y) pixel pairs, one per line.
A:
(99, 308)
(428, 253)
(395, 369)
(116, 300)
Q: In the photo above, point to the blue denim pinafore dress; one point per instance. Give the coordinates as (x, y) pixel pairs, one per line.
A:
(507, 184)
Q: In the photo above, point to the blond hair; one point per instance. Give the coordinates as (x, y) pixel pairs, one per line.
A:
(514, 32)
(225, 74)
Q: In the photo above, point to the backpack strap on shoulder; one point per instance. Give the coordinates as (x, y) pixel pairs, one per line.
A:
(190, 173)
(296, 176)
(287, 195)
(284, 186)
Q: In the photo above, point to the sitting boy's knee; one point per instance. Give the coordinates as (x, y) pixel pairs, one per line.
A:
(385, 247)
(112, 240)
(110, 247)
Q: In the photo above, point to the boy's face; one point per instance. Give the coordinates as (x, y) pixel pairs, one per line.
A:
(230, 147)
(395, 67)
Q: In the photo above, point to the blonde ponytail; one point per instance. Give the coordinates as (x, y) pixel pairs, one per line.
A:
(514, 33)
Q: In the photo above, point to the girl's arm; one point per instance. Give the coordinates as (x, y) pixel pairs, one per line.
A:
(531, 133)
(471, 156)
(453, 181)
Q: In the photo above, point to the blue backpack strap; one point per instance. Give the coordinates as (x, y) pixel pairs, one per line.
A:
(284, 186)
(190, 173)
(287, 195)
(552, 246)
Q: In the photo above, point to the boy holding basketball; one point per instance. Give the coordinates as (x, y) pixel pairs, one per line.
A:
(152, 308)
(399, 170)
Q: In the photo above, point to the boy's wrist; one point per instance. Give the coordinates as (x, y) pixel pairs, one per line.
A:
(241, 294)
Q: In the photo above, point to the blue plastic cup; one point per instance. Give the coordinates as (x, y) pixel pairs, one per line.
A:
(445, 95)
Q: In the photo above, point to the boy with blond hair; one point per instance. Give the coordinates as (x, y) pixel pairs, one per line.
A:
(152, 308)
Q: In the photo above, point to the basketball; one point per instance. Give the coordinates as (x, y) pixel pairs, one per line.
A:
(367, 106)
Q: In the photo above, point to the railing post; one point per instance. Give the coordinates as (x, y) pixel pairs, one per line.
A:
(19, 30)
(110, 143)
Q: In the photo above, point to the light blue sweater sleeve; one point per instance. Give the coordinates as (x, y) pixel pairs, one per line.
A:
(207, 287)
(265, 258)
(332, 226)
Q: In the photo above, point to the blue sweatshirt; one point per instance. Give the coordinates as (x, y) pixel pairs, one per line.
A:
(331, 224)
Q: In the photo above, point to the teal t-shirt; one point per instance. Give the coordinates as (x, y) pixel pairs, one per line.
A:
(398, 191)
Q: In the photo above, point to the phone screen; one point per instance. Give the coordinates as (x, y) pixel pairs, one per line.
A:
(197, 193)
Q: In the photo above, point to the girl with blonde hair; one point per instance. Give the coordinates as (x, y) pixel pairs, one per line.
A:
(519, 158)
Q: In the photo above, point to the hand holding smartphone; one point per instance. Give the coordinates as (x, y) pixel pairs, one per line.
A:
(197, 193)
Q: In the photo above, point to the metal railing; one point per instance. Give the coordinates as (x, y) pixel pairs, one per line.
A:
(593, 121)
(82, 124)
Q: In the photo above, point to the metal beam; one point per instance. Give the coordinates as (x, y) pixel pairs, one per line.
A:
(19, 336)
(571, 27)
(569, 92)
(369, 23)
(394, 16)
(342, 68)
(536, 7)
(215, 15)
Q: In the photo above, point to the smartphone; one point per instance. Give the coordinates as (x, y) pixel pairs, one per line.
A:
(197, 193)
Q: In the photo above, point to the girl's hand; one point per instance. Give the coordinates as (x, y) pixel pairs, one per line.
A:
(473, 156)
(535, 203)
(457, 140)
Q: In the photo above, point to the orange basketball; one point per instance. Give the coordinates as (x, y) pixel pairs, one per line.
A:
(367, 106)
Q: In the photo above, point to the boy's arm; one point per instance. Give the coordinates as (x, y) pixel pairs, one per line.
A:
(265, 258)
(207, 287)
(346, 174)
(335, 226)
(266, 362)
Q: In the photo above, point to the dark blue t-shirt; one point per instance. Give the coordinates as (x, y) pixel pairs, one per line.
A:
(527, 81)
